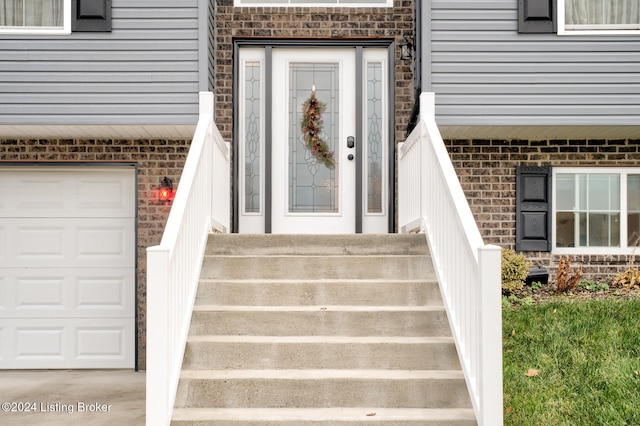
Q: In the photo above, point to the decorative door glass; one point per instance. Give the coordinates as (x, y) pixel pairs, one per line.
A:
(312, 185)
(374, 134)
(252, 126)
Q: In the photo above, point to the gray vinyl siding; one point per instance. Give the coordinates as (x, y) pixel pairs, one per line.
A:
(143, 72)
(484, 73)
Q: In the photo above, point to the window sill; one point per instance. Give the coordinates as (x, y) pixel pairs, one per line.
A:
(573, 251)
(34, 31)
(604, 33)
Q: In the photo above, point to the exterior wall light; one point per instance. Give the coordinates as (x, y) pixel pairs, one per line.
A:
(165, 191)
(406, 49)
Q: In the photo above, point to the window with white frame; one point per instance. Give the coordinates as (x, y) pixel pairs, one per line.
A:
(598, 17)
(320, 3)
(35, 16)
(596, 210)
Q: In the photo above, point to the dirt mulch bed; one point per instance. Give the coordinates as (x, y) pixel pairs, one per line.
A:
(547, 293)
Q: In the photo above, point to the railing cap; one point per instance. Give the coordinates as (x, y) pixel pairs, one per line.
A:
(427, 105)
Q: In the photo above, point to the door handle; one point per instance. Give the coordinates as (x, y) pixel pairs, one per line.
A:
(351, 142)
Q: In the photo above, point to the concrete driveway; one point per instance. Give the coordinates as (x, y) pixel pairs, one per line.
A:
(69, 397)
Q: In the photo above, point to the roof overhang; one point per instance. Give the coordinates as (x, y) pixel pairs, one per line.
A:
(539, 132)
(153, 131)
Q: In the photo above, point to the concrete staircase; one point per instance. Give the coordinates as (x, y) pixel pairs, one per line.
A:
(322, 330)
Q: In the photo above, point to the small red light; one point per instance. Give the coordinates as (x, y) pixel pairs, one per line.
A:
(165, 191)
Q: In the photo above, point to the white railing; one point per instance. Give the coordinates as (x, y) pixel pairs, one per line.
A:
(430, 199)
(201, 205)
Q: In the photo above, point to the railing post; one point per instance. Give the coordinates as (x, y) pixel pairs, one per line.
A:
(402, 207)
(157, 399)
(489, 259)
(206, 105)
(427, 114)
(427, 106)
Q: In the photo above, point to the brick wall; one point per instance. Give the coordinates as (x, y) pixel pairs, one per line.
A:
(155, 159)
(310, 23)
(487, 172)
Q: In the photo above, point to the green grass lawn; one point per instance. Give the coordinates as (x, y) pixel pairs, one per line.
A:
(572, 363)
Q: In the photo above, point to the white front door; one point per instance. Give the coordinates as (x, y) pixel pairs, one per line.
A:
(308, 195)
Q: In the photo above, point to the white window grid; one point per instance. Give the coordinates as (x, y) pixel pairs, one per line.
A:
(624, 248)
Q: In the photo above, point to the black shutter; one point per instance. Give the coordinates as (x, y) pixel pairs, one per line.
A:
(537, 16)
(533, 208)
(91, 15)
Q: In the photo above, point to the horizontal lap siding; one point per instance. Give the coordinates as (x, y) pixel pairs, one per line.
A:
(484, 73)
(143, 72)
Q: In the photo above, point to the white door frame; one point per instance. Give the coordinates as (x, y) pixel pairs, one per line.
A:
(251, 55)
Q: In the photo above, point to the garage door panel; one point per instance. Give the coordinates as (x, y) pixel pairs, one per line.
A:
(42, 341)
(110, 239)
(65, 192)
(37, 243)
(41, 294)
(69, 242)
(30, 192)
(100, 342)
(67, 343)
(99, 292)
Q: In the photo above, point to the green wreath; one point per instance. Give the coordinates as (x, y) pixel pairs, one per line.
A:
(312, 123)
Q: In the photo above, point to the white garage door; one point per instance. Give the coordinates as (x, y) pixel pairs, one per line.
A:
(67, 267)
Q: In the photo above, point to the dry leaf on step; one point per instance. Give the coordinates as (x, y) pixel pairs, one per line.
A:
(371, 414)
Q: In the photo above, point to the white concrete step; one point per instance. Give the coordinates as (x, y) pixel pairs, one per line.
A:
(316, 245)
(343, 416)
(320, 320)
(283, 267)
(318, 292)
(322, 388)
(314, 352)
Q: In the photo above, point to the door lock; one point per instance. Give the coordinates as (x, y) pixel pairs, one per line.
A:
(351, 142)
(350, 157)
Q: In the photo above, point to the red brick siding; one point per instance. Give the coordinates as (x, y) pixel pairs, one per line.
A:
(310, 23)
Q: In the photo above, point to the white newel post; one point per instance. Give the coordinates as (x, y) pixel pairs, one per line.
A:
(489, 261)
(157, 336)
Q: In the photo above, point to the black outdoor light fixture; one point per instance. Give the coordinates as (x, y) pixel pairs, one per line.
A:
(165, 191)
(406, 49)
